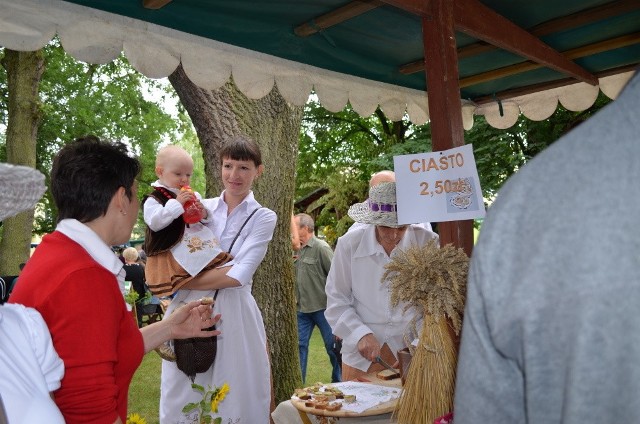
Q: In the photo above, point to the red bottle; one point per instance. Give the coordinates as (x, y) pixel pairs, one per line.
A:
(191, 213)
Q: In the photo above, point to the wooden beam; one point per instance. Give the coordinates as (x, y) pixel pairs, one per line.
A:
(348, 11)
(444, 102)
(479, 21)
(155, 4)
(417, 7)
(591, 49)
(535, 88)
(442, 77)
(585, 17)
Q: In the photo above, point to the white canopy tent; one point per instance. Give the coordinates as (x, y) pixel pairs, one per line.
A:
(96, 36)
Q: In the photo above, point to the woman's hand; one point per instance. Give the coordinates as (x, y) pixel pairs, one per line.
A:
(202, 209)
(369, 347)
(191, 319)
(187, 321)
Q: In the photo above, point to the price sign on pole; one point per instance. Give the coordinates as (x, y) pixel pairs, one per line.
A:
(438, 187)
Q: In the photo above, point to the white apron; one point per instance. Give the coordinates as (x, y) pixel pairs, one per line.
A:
(198, 247)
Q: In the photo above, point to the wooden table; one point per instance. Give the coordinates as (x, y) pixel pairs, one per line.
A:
(294, 411)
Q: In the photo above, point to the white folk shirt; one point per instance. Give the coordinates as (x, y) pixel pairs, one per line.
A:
(158, 217)
(358, 303)
(31, 368)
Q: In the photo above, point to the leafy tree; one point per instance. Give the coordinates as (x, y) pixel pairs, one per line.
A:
(23, 71)
(340, 151)
(330, 141)
(106, 100)
(500, 153)
(76, 99)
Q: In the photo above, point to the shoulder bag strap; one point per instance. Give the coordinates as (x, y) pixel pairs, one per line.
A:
(240, 230)
(234, 241)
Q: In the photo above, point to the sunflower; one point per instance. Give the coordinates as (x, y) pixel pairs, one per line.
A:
(135, 419)
(218, 396)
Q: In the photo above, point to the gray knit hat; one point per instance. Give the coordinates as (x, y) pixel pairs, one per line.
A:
(381, 208)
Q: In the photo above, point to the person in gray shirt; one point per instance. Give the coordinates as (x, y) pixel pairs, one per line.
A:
(551, 331)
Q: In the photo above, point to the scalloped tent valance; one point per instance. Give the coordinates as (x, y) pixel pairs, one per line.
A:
(542, 104)
(96, 36)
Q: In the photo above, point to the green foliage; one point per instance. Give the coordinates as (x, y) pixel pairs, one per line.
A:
(344, 189)
(110, 101)
(340, 151)
(131, 297)
(345, 140)
(208, 405)
(501, 153)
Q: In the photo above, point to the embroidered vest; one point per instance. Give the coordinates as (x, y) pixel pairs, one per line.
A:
(156, 242)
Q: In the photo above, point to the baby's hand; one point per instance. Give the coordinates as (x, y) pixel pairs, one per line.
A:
(184, 196)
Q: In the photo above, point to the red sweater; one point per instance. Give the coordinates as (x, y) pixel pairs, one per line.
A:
(92, 331)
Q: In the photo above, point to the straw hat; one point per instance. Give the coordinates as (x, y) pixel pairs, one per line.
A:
(381, 208)
(21, 186)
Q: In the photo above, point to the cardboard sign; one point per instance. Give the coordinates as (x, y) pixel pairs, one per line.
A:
(438, 187)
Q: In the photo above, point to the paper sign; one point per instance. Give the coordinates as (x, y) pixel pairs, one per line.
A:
(438, 187)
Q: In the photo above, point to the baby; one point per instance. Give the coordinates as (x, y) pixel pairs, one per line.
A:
(176, 251)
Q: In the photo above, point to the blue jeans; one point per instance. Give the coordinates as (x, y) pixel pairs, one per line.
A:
(306, 322)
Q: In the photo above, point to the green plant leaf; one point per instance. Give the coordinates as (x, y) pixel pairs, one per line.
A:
(190, 407)
(198, 387)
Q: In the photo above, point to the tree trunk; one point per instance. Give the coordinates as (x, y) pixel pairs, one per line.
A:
(24, 70)
(275, 126)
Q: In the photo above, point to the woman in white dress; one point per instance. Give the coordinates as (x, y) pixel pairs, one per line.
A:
(242, 360)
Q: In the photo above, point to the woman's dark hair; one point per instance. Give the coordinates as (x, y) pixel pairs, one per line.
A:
(241, 148)
(86, 174)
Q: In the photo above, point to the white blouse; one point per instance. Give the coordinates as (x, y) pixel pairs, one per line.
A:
(31, 368)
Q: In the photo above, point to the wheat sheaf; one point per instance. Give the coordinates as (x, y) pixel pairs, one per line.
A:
(432, 280)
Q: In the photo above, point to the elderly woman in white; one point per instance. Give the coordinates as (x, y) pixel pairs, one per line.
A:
(358, 303)
(31, 368)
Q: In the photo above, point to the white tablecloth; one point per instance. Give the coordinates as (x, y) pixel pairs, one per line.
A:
(286, 413)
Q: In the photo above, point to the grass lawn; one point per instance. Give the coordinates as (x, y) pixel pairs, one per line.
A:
(144, 393)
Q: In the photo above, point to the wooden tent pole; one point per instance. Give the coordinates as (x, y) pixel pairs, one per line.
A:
(445, 108)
